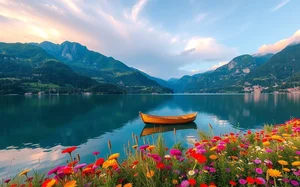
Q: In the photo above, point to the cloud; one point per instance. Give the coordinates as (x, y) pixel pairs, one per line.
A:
(200, 17)
(280, 5)
(105, 27)
(137, 9)
(216, 66)
(281, 44)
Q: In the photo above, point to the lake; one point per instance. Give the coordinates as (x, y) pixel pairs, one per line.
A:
(34, 129)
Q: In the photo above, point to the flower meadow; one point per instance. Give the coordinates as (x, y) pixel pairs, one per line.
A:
(266, 157)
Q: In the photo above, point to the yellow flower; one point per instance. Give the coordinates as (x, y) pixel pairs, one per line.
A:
(283, 162)
(174, 181)
(267, 143)
(296, 163)
(71, 183)
(109, 163)
(213, 148)
(24, 172)
(51, 183)
(119, 185)
(286, 169)
(274, 173)
(114, 156)
(150, 174)
(213, 157)
(150, 148)
(286, 135)
(134, 146)
(128, 185)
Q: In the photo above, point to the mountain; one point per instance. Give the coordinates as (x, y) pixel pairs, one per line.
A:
(278, 69)
(223, 79)
(28, 68)
(101, 68)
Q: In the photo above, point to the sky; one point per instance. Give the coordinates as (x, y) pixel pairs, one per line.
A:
(164, 38)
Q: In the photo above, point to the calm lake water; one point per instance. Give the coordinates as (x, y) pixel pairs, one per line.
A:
(35, 129)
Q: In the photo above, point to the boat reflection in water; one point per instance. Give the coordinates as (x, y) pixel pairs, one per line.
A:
(157, 128)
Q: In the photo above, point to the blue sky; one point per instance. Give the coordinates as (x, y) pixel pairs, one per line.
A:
(164, 38)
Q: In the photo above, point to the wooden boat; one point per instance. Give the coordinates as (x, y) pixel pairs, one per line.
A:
(168, 119)
(154, 128)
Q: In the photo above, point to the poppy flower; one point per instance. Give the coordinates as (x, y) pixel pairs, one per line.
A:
(49, 183)
(69, 150)
(160, 165)
(99, 162)
(203, 185)
(192, 182)
(232, 183)
(260, 180)
(250, 180)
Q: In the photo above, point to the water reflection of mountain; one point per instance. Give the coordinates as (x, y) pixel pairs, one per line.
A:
(248, 111)
(67, 120)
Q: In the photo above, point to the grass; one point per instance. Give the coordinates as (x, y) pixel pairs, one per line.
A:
(267, 157)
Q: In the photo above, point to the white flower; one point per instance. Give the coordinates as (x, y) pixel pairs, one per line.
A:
(191, 173)
(103, 175)
(257, 148)
(167, 156)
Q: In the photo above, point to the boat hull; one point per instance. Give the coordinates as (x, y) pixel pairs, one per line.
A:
(164, 120)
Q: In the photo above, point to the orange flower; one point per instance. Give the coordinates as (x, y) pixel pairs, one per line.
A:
(213, 157)
(150, 174)
(71, 183)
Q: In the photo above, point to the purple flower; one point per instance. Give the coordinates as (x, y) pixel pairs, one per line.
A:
(294, 183)
(175, 152)
(285, 180)
(262, 180)
(88, 184)
(257, 161)
(54, 170)
(181, 159)
(297, 152)
(79, 166)
(96, 153)
(155, 157)
(242, 181)
(258, 170)
(143, 147)
(201, 151)
(185, 183)
(268, 150)
(297, 173)
(212, 170)
(7, 181)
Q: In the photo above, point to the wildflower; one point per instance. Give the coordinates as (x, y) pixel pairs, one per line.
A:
(71, 183)
(175, 152)
(199, 157)
(69, 150)
(296, 163)
(242, 181)
(150, 174)
(185, 183)
(109, 163)
(119, 185)
(191, 172)
(283, 162)
(286, 169)
(134, 146)
(192, 182)
(257, 161)
(294, 183)
(128, 185)
(260, 180)
(167, 157)
(150, 148)
(274, 173)
(160, 165)
(232, 183)
(54, 170)
(269, 150)
(99, 161)
(213, 148)
(24, 172)
(297, 152)
(13, 185)
(267, 143)
(114, 156)
(49, 183)
(250, 180)
(258, 170)
(143, 147)
(7, 181)
(203, 185)
(213, 157)
(79, 166)
(96, 153)
(174, 181)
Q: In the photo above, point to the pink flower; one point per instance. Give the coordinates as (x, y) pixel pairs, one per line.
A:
(96, 153)
(175, 152)
(258, 170)
(242, 181)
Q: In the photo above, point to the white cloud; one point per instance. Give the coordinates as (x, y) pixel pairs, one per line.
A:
(279, 45)
(200, 17)
(137, 9)
(280, 5)
(216, 66)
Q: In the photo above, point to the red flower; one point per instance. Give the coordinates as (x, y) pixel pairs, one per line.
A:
(258, 181)
(199, 157)
(203, 185)
(160, 165)
(135, 162)
(72, 163)
(99, 162)
(89, 166)
(69, 150)
(192, 182)
(250, 180)
(232, 183)
(67, 170)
